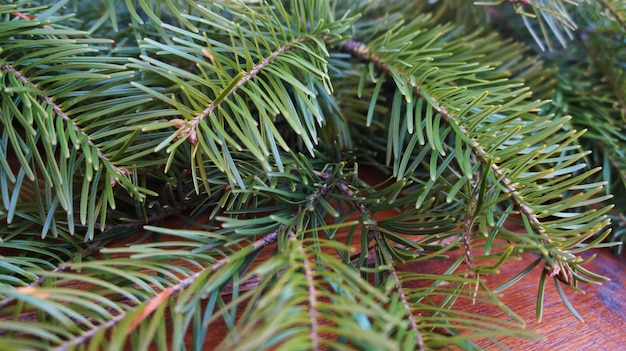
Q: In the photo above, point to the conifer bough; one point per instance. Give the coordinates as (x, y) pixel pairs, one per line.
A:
(151, 152)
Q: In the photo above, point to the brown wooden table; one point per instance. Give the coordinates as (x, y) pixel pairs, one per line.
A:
(603, 308)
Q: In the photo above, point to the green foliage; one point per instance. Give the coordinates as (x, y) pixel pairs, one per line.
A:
(250, 123)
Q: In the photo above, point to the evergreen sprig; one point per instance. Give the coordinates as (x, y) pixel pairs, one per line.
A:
(249, 124)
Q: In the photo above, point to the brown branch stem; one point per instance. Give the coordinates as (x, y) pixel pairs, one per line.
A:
(268, 239)
(343, 188)
(176, 288)
(193, 124)
(308, 272)
(614, 12)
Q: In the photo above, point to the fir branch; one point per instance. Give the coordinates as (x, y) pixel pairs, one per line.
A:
(91, 248)
(468, 232)
(174, 289)
(87, 335)
(96, 245)
(268, 239)
(190, 129)
(371, 230)
(413, 324)
(359, 49)
(122, 172)
(178, 287)
(609, 72)
(619, 17)
(270, 86)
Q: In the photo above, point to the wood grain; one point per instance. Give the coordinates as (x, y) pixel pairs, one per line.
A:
(603, 307)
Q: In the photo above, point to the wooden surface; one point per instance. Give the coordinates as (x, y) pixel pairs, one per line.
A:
(603, 307)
